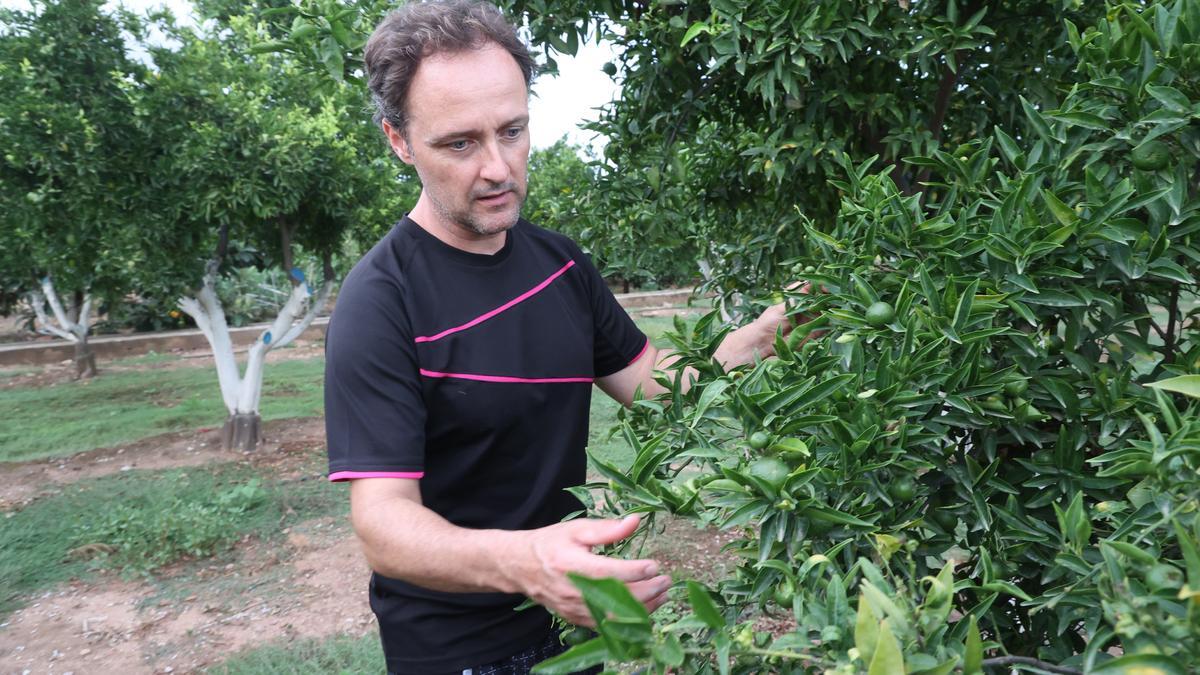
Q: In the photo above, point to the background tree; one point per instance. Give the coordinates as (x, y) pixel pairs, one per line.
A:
(257, 170)
(563, 197)
(70, 174)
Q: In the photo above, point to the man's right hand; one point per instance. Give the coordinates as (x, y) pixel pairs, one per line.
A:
(539, 560)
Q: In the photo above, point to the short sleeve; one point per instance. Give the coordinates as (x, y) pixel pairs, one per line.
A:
(618, 340)
(374, 408)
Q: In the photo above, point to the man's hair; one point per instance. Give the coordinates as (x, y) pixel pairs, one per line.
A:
(422, 29)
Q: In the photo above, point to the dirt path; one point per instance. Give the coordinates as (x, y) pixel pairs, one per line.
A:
(22, 482)
(312, 586)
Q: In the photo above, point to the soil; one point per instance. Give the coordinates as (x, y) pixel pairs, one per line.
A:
(302, 589)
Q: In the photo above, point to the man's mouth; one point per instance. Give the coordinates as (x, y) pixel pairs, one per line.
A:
(495, 197)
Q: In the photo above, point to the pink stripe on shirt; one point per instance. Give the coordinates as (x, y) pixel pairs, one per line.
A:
(505, 379)
(350, 475)
(508, 305)
(641, 353)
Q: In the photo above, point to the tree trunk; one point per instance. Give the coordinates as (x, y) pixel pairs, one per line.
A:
(242, 431)
(85, 359)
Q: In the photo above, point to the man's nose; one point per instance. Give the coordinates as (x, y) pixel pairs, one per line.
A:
(494, 168)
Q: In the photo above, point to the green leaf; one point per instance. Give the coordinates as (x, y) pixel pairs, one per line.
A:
(1006, 587)
(888, 659)
(1039, 122)
(866, 629)
(703, 605)
(817, 393)
(609, 596)
(1063, 213)
(580, 657)
(883, 605)
(331, 56)
(1188, 385)
(1171, 98)
(1052, 298)
(268, 47)
(1012, 151)
(829, 515)
(695, 29)
(669, 652)
(973, 650)
(1130, 551)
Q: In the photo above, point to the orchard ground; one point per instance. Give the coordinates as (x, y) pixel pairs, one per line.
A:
(132, 543)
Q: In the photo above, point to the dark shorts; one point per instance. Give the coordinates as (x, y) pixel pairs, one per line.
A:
(521, 662)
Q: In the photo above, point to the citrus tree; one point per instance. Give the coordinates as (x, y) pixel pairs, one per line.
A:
(69, 170)
(256, 164)
(992, 456)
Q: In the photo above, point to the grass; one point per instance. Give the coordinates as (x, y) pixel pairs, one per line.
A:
(138, 521)
(122, 407)
(342, 654)
(150, 358)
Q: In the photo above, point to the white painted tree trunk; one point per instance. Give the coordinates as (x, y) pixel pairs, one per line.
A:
(72, 329)
(242, 391)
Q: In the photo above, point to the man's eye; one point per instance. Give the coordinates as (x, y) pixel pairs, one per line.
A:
(514, 132)
(457, 145)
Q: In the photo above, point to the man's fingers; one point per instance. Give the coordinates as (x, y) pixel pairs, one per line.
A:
(656, 602)
(647, 590)
(629, 571)
(595, 532)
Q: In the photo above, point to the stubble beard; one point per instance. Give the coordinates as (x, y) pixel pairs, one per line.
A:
(466, 220)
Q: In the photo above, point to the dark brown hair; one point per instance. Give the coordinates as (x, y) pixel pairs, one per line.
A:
(421, 29)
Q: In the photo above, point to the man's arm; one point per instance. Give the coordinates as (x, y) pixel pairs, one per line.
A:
(405, 540)
(741, 346)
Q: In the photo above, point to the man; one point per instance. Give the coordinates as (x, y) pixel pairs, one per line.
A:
(459, 368)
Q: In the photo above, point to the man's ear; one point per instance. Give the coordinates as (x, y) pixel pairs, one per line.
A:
(400, 145)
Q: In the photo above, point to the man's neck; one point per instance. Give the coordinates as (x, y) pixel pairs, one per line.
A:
(453, 234)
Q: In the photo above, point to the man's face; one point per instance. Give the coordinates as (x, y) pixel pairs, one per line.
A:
(468, 138)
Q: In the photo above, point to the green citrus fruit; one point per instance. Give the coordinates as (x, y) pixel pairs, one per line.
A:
(610, 69)
(880, 314)
(1164, 577)
(1151, 155)
(785, 593)
(770, 469)
(760, 440)
(1027, 413)
(1016, 388)
(946, 519)
(576, 636)
(902, 489)
(994, 404)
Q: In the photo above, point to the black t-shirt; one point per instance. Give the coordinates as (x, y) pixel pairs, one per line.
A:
(472, 373)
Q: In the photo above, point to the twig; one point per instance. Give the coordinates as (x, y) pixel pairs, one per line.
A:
(1170, 339)
(1027, 661)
